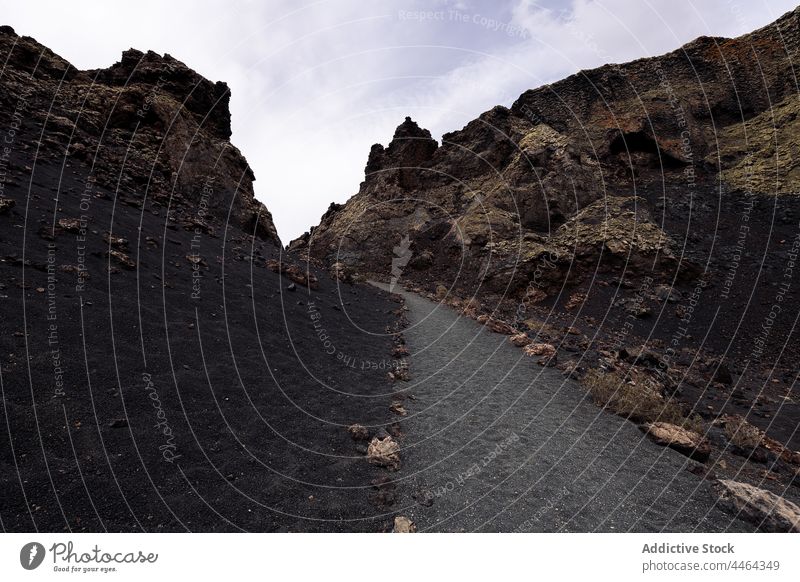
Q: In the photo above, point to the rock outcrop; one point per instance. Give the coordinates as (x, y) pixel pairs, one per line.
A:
(505, 196)
(148, 128)
(648, 203)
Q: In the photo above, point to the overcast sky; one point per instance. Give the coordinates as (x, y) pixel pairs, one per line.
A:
(315, 84)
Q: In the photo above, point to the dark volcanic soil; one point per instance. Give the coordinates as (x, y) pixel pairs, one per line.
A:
(155, 400)
(497, 443)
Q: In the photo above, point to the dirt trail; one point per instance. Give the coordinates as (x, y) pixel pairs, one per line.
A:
(495, 442)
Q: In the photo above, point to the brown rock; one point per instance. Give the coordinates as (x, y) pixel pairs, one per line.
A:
(575, 300)
(358, 432)
(534, 295)
(294, 273)
(384, 453)
(471, 308)
(540, 349)
(70, 224)
(122, 259)
(686, 442)
(520, 340)
(403, 525)
(770, 512)
(496, 325)
(117, 242)
(398, 408)
(400, 352)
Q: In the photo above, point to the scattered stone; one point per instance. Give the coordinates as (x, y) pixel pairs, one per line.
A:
(395, 430)
(341, 272)
(294, 273)
(403, 525)
(196, 259)
(6, 204)
(770, 512)
(570, 370)
(534, 295)
(117, 242)
(424, 497)
(471, 308)
(400, 352)
(398, 408)
(496, 325)
(520, 340)
(118, 423)
(540, 349)
(686, 442)
(575, 300)
(441, 292)
(384, 452)
(70, 224)
(358, 432)
(123, 259)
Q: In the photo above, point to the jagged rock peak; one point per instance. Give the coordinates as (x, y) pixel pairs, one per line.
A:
(410, 130)
(208, 101)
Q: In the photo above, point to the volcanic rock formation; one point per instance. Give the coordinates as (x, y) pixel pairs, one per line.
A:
(651, 205)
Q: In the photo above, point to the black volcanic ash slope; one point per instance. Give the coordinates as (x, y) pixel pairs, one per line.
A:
(156, 375)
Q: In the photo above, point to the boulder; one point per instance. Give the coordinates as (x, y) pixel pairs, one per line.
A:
(769, 512)
(685, 441)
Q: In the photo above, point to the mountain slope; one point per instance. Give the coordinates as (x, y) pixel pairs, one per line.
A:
(648, 208)
(161, 366)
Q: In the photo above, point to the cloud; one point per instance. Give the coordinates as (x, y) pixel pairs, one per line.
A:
(316, 83)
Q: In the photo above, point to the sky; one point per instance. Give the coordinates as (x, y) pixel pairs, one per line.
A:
(315, 83)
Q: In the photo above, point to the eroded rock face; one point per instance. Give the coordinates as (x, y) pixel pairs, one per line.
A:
(164, 128)
(554, 179)
(763, 508)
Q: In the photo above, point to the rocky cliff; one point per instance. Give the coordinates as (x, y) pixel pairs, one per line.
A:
(513, 183)
(148, 128)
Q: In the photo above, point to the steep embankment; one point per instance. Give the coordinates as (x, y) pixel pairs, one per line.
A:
(158, 372)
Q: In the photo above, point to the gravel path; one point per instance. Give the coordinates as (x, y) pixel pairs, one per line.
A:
(495, 442)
